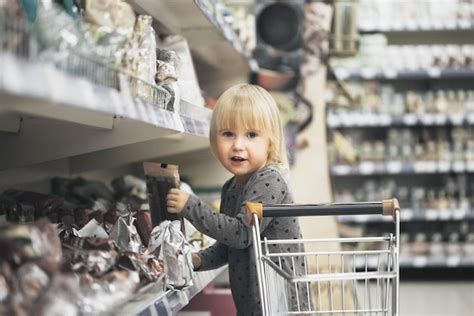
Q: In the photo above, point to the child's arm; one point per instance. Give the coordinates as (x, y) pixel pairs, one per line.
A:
(267, 186)
(212, 257)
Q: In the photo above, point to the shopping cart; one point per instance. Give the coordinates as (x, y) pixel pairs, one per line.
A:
(361, 281)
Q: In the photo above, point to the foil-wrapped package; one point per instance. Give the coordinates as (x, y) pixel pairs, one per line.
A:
(125, 234)
(61, 298)
(108, 291)
(149, 268)
(93, 229)
(95, 262)
(37, 241)
(169, 244)
(32, 280)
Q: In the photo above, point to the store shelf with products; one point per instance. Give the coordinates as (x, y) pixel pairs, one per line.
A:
(66, 113)
(409, 138)
(406, 16)
(88, 118)
(214, 44)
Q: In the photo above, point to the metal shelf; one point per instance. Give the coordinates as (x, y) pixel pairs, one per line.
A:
(63, 115)
(369, 168)
(153, 302)
(417, 262)
(417, 26)
(394, 74)
(368, 120)
(407, 215)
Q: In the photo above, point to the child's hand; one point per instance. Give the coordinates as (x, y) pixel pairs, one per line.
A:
(196, 261)
(176, 200)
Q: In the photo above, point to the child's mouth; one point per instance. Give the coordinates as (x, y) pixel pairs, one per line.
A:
(237, 159)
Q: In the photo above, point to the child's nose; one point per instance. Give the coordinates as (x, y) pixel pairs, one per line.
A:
(239, 143)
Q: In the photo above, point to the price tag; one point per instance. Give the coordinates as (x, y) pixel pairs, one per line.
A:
(420, 261)
(470, 118)
(431, 214)
(453, 261)
(333, 120)
(48, 82)
(341, 170)
(406, 214)
(342, 73)
(428, 119)
(411, 25)
(13, 74)
(450, 24)
(394, 167)
(470, 166)
(456, 119)
(441, 119)
(459, 166)
(459, 214)
(444, 166)
(430, 166)
(367, 167)
(390, 73)
(464, 24)
(409, 119)
(445, 214)
(385, 120)
(368, 73)
(434, 72)
(419, 166)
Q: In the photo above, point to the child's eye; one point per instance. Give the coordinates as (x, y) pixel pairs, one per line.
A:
(252, 134)
(227, 134)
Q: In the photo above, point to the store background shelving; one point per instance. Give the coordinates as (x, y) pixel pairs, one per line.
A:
(450, 214)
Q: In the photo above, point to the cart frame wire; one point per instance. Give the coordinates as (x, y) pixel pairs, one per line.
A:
(379, 286)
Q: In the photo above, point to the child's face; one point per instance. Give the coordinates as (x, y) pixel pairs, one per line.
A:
(242, 151)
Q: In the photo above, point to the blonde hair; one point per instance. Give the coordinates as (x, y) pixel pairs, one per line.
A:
(251, 107)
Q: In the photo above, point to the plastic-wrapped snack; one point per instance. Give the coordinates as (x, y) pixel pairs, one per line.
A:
(166, 66)
(107, 292)
(160, 178)
(169, 244)
(61, 298)
(110, 23)
(125, 234)
(187, 82)
(140, 58)
(37, 241)
(32, 280)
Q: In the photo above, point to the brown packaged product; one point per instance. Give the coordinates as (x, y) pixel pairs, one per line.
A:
(160, 178)
(90, 243)
(42, 204)
(143, 224)
(34, 242)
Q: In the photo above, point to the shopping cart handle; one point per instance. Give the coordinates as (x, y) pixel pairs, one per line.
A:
(385, 207)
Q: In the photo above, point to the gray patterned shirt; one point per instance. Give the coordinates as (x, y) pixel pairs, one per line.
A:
(234, 236)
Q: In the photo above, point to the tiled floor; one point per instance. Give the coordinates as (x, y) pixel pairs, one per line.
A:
(446, 298)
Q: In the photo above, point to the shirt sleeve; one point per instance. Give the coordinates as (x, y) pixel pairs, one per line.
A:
(266, 186)
(213, 257)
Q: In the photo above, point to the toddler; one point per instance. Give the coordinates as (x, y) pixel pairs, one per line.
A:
(246, 136)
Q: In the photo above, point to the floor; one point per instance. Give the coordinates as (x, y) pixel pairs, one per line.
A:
(419, 298)
(445, 298)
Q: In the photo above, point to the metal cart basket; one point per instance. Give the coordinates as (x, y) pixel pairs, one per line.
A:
(360, 281)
